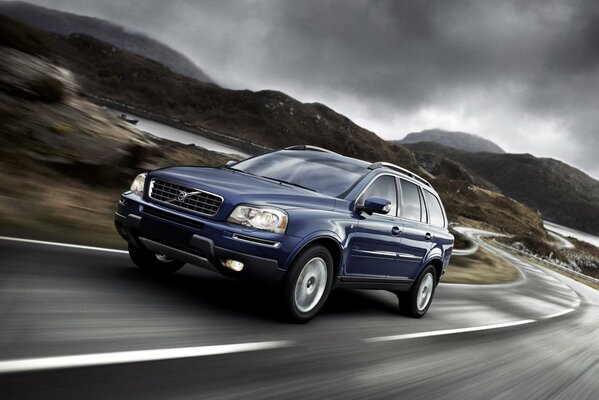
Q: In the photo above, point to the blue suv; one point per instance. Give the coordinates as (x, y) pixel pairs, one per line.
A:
(303, 218)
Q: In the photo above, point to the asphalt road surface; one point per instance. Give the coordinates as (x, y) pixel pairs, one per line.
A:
(86, 324)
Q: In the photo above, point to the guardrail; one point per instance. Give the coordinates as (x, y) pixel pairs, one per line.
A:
(555, 265)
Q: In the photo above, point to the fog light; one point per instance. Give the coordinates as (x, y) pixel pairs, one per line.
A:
(233, 264)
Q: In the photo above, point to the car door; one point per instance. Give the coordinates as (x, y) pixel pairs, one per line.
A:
(417, 235)
(374, 244)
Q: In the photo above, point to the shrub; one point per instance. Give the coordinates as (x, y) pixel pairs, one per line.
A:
(61, 128)
(47, 89)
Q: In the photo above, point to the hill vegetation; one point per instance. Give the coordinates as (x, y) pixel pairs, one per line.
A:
(64, 160)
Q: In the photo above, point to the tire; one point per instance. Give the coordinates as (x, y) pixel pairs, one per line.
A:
(416, 302)
(153, 263)
(307, 284)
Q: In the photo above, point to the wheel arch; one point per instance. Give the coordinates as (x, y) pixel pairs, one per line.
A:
(438, 264)
(330, 242)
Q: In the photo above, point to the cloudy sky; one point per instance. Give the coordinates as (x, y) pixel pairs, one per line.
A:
(524, 74)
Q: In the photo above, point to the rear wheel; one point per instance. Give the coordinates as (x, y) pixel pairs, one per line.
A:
(154, 263)
(416, 302)
(307, 283)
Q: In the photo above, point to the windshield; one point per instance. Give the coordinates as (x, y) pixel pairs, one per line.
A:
(314, 171)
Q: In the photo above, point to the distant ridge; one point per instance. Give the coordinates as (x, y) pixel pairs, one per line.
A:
(562, 193)
(457, 140)
(65, 23)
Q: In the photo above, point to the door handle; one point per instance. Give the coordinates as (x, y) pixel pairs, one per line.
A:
(428, 236)
(395, 231)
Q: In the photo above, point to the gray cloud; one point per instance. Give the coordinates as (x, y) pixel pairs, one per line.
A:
(524, 74)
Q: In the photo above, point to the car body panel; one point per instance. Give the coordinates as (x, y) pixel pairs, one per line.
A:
(373, 247)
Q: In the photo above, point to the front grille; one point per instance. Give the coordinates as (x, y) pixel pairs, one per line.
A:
(185, 197)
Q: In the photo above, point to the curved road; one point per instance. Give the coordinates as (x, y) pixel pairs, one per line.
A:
(85, 323)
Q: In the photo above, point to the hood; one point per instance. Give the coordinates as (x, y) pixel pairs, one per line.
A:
(237, 187)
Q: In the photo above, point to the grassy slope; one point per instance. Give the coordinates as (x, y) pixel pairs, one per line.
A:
(481, 267)
(63, 160)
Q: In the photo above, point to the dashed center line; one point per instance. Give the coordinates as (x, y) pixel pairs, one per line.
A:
(123, 357)
(447, 331)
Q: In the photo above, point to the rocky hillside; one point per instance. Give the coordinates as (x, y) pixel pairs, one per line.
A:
(562, 193)
(44, 123)
(457, 140)
(66, 24)
(442, 167)
(63, 160)
(268, 118)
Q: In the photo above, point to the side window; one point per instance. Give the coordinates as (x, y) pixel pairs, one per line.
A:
(383, 186)
(410, 201)
(434, 209)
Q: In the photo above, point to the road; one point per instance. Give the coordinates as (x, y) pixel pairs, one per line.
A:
(85, 323)
(563, 242)
(178, 135)
(569, 232)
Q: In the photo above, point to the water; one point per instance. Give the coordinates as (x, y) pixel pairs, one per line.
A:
(178, 135)
(565, 231)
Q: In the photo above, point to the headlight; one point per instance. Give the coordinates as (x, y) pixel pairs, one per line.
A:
(137, 186)
(264, 218)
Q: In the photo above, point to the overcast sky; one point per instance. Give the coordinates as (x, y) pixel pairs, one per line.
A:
(524, 74)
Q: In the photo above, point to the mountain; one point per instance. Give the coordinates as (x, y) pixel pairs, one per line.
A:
(269, 118)
(65, 23)
(562, 193)
(457, 140)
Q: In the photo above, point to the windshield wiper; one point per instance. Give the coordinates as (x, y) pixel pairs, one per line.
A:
(287, 183)
(273, 179)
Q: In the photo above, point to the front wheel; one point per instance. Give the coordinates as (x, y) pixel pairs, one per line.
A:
(154, 263)
(416, 302)
(307, 283)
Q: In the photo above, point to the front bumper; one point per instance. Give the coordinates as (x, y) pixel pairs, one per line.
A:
(203, 242)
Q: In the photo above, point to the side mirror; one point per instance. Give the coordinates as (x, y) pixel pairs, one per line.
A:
(230, 163)
(376, 205)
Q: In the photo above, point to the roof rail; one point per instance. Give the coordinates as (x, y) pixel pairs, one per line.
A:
(308, 147)
(409, 173)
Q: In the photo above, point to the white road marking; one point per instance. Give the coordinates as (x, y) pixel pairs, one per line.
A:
(448, 331)
(73, 246)
(559, 314)
(88, 360)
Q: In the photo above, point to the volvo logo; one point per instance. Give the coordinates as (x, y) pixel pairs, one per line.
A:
(182, 195)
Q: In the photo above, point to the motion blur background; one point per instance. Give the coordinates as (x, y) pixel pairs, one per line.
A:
(494, 103)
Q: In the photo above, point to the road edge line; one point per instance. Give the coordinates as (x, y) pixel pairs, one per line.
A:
(58, 244)
(448, 331)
